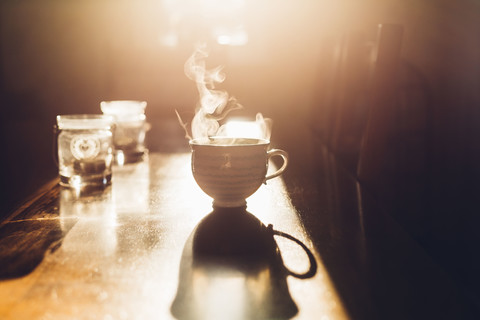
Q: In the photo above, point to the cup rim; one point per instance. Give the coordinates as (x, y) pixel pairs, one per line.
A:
(203, 142)
(84, 121)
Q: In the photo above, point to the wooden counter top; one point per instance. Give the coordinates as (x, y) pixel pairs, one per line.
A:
(151, 247)
(121, 254)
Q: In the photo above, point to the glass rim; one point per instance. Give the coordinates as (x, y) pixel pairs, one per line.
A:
(84, 121)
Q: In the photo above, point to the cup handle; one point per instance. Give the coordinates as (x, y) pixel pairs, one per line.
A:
(281, 153)
(312, 270)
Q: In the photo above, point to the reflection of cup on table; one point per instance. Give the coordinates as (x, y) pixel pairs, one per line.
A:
(130, 129)
(85, 150)
(231, 169)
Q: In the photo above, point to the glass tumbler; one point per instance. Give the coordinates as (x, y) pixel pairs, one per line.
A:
(85, 150)
(130, 129)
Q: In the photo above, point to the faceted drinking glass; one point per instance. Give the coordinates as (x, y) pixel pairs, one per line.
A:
(85, 149)
(130, 129)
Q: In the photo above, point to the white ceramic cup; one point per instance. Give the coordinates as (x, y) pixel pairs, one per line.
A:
(230, 170)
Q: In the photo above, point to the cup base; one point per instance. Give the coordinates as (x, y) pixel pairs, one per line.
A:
(229, 204)
(84, 181)
(127, 157)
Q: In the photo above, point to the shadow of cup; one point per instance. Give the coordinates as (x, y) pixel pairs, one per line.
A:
(231, 268)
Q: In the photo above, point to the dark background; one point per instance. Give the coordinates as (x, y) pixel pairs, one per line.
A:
(61, 57)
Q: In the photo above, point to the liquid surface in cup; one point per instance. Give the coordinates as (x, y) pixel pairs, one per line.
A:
(228, 141)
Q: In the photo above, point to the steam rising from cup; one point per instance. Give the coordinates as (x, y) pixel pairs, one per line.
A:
(214, 105)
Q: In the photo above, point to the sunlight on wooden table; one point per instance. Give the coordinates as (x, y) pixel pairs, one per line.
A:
(121, 253)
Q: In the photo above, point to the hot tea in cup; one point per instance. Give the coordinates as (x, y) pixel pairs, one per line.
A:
(231, 169)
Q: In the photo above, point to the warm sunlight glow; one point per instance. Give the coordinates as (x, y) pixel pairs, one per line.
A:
(237, 37)
(120, 157)
(222, 20)
(244, 129)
